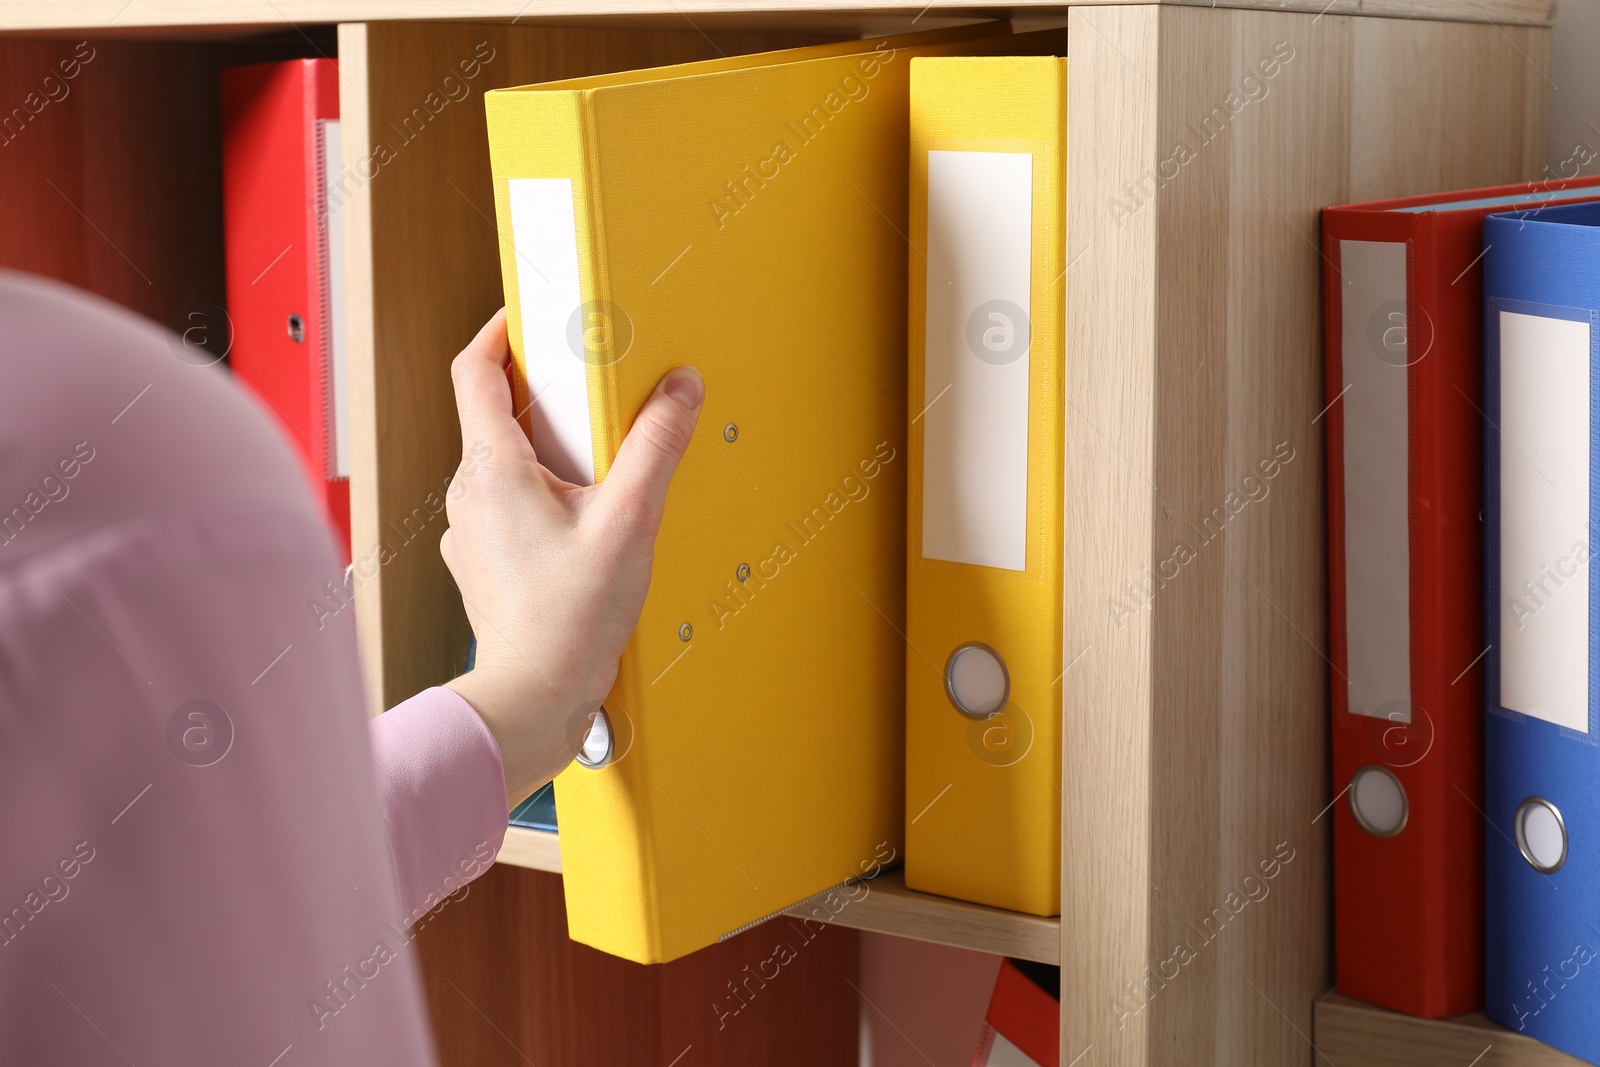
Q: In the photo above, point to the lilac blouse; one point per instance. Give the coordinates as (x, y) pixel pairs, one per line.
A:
(207, 854)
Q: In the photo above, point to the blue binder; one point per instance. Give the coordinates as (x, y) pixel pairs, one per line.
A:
(538, 812)
(1542, 736)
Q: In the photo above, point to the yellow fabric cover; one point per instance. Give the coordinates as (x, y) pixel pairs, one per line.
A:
(985, 797)
(748, 216)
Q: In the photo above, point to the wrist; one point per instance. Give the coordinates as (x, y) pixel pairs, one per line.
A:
(536, 734)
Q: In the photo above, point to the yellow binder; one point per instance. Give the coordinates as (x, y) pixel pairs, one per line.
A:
(746, 216)
(984, 507)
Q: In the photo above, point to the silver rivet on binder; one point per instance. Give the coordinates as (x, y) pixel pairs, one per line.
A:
(1378, 801)
(976, 680)
(297, 329)
(743, 572)
(685, 632)
(598, 743)
(730, 433)
(1541, 835)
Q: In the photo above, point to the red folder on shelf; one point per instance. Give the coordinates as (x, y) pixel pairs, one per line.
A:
(1404, 425)
(280, 144)
(1023, 1025)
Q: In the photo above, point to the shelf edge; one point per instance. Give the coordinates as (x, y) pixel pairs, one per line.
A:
(537, 850)
(16, 15)
(1349, 1031)
(890, 908)
(887, 908)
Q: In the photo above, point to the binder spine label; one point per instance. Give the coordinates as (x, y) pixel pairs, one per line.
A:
(1374, 357)
(1544, 401)
(544, 236)
(975, 435)
(336, 372)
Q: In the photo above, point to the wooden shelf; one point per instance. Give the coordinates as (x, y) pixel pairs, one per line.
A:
(888, 908)
(537, 850)
(1348, 1031)
(189, 14)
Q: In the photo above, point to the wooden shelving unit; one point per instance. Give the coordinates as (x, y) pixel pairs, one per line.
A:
(1195, 716)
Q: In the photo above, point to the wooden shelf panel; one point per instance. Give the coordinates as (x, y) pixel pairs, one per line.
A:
(121, 15)
(1195, 348)
(537, 850)
(1348, 1031)
(888, 908)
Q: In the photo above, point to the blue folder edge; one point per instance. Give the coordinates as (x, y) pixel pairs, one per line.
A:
(538, 812)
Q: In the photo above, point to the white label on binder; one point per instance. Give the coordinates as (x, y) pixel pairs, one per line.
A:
(1377, 549)
(544, 238)
(975, 400)
(1544, 518)
(339, 408)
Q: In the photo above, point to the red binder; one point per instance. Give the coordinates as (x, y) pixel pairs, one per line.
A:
(1023, 1024)
(1404, 425)
(280, 143)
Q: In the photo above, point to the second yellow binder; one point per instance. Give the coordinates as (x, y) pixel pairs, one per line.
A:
(984, 507)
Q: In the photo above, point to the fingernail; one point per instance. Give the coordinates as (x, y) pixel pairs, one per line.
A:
(686, 387)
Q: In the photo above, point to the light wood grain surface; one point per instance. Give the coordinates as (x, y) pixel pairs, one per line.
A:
(1350, 1032)
(888, 907)
(1195, 909)
(1106, 770)
(423, 275)
(22, 15)
(537, 850)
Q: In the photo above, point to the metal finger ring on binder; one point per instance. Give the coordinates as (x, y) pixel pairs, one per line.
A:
(1378, 801)
(598, 743)
(1541, 835)
(976, 680)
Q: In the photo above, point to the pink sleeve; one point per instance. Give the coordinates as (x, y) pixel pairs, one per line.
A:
(442, 790)
(183, 747)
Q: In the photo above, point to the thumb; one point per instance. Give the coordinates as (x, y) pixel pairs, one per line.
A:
(660, 435)
(483, 395)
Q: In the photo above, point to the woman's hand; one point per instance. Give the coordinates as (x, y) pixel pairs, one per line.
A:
(552, 575)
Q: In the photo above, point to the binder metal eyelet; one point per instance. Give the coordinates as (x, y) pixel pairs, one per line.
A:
(685, 632)
(297, 329)
(743, 572)
(965, 704)
(1541, 835)
(730, 433)
(1378, 801)
(598, 743)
